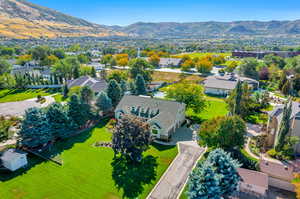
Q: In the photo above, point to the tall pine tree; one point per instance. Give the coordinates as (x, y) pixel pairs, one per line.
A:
(58, 120)
(103, 102)
(114, 92)
(140, 85)
(35, 129)
(227, 168)
(204, 183)
(284, 126)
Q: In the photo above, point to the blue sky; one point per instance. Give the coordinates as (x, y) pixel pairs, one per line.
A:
(124, 12)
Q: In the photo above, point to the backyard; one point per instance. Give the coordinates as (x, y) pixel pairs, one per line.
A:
(14, 95)
(88, 171)
(214, 107)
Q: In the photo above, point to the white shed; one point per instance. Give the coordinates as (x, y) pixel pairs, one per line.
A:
(13, 159)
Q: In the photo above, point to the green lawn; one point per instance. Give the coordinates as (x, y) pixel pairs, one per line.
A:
(88, 172)
(60, 98)
(15, 95)
(214, 107)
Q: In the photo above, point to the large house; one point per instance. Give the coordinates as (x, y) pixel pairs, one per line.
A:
(223, 85)
(96, 84)
(164, 116)
(274, 121)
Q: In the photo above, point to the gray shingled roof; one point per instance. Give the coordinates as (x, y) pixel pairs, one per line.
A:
(219, 83)
(227, 82)
(96, 84)
(168, 110)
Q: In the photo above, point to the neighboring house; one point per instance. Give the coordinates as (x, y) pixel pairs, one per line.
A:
(169, 62)
(274, 122)
(97, 65)
(262, 54)
(96, 84)
(280, 174)
(223, 85)
(164, 116)
(154, 86)
(253, 182)
(13, 159)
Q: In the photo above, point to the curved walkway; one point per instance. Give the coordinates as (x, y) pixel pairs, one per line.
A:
(174, 179)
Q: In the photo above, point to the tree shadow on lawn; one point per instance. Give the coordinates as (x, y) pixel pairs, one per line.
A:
(161, 147)
(55, 150)
(132, 176)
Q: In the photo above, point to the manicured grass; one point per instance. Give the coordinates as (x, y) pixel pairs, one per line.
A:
(214, 107)
(60, 98)
(15, 95)
(88, 172)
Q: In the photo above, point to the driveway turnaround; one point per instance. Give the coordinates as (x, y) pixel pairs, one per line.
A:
(174, 179)
(19, 108)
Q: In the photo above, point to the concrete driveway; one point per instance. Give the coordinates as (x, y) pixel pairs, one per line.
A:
(19, 108)
(174, 179)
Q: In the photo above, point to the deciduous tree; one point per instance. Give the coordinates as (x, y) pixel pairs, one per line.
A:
(131, 137)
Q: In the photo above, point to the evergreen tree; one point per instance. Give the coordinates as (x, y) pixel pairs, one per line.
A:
(76, 73)
(284, 126)
(103, 102)
(35, 129)
(65, 90)
(86, 95)
(204, 183)
(226, 167)
(93, 72)
(283, 80)
(78, 113)
(123, 86)
(114, 92)
(58, 120)
(140, 85)
(132, 88)
(238, 98)
(131, 137)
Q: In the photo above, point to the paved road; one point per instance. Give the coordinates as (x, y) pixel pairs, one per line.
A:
(174, 179)
(19, 108)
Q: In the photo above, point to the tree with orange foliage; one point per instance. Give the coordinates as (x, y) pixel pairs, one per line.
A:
(122, 59)
(187, 65)
(204, 66)
(154, 60)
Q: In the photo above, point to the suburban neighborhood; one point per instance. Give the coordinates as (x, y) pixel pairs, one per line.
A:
(148, 110)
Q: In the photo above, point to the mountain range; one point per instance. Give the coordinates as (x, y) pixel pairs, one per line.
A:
(21, 19)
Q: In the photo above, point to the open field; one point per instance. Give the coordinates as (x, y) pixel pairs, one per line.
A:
(88, 172)
(214, 107)
(15, 95)
(171, 77)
